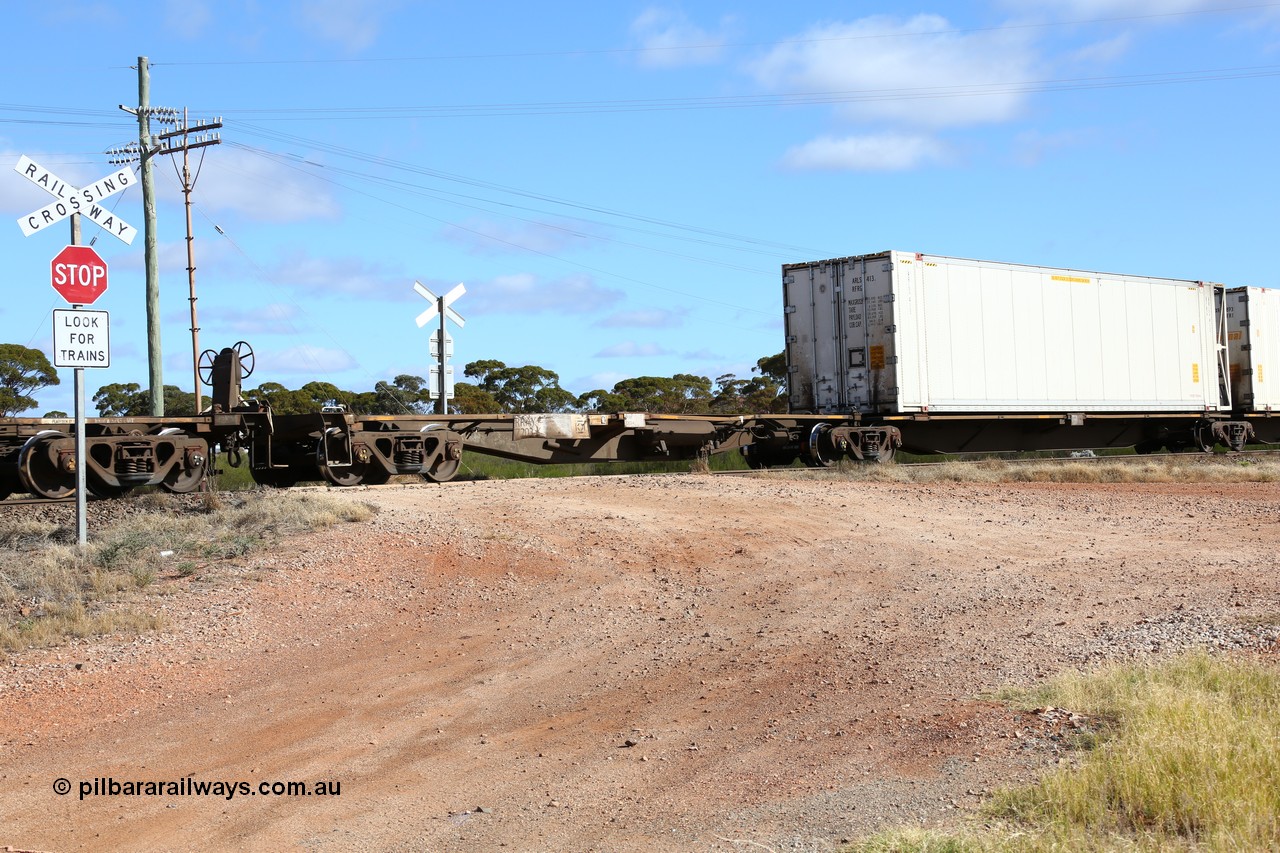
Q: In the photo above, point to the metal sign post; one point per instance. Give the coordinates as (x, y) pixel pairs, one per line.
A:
(81, 339)
(80, 277)
(441, 389)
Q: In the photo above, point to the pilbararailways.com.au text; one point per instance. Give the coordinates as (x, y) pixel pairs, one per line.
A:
(189, 786)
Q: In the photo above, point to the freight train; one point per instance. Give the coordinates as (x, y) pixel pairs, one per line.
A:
(884, 351)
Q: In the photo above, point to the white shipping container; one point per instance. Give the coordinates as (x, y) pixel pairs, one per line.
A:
(1253, 342)
(901, 332)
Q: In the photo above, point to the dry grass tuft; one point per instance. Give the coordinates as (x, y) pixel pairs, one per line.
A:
(1186, 758)
(1123, 469)
(51, 591)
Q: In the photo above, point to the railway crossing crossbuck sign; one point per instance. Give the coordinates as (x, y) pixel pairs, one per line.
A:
(79, 275)
(68, 200)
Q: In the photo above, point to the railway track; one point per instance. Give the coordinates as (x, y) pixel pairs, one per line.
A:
(987, 459)
(1189, 457)
(1144, 457)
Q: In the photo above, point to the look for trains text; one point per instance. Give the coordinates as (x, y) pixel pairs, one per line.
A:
(83, 333)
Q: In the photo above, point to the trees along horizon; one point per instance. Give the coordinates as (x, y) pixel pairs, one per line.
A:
(496, 389)
(23, 371)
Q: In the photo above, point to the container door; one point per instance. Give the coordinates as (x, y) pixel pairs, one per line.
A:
(858, 389)
(1236, 311)
(797, 307)
(828, 337)
(814, 336)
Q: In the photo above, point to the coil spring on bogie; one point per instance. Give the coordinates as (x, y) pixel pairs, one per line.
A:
(409, 456)
(133, 465)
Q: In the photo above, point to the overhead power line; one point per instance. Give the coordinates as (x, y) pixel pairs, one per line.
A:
(719, 102)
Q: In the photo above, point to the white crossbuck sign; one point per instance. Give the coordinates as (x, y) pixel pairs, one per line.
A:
(68, 200)
(426, 316)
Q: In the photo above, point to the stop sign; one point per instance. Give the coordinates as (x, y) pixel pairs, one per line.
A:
(79, 275)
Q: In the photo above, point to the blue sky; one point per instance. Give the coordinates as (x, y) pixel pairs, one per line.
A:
(618, 184)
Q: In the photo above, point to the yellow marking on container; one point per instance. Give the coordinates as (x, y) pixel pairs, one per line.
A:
(877, 357)
(1073, 278)
(1234, 336)
(1260, 373)
(1195, 373)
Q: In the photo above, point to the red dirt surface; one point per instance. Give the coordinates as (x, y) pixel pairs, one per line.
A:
(633, 663)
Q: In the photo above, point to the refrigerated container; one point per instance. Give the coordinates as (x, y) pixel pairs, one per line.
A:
(903, 332)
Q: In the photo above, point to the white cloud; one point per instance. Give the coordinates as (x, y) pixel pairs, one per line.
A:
(486, 237)
(1107, 9)
(338, 275)
(631, 349)
(702, 355)
(260, 188)
(274, 319)
(604, 380)
(669, 39)
(352, 24)
(525, 293)
(648, 318)
(1103, 52)
(310, 360)
(883, 152)
(918, 72)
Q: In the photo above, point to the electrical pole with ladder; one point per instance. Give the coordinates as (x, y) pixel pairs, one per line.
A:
(193, 136)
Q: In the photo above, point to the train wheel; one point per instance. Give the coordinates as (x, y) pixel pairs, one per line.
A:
(817, 452)
(183, 482)
(443, 471)
(887, 452)
(1204, 440)
(40, 468)
(342, 475)
(376, 475)
(276, 478)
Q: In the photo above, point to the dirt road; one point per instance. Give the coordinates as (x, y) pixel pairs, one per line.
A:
(647, 663)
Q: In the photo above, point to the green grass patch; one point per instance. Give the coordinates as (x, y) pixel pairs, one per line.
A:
(478, 466)
(1187, 758)
(51, 590)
